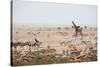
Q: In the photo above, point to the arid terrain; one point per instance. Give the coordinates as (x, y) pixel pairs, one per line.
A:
(49, 45)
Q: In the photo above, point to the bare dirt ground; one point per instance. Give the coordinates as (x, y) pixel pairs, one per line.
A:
(58, 45)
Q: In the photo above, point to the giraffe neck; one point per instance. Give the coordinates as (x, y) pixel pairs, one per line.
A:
(74, 24)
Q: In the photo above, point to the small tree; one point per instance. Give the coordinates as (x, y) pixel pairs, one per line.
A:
(85, 27)
(59, 28)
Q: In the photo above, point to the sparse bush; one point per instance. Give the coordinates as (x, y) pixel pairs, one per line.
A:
(59, 28)
(66, 28)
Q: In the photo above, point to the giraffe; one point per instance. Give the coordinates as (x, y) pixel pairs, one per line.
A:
(78, 29)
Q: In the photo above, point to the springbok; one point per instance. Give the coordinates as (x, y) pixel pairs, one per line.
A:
(37, 43)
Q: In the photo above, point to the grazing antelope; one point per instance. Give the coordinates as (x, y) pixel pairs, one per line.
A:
(37, 43)
(35, 34)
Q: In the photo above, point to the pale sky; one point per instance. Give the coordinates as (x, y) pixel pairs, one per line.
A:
(52, 14)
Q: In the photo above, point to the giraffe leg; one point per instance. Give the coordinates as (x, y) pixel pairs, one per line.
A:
(76, 33)
(81, 33)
